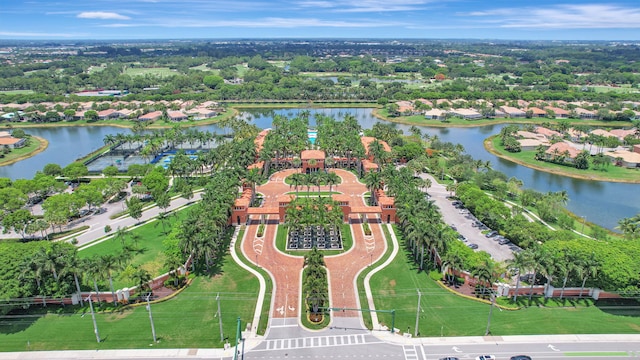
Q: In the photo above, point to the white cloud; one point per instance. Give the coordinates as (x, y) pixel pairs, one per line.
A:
(592, 16)
(105, 15)
(37, 34)
(354, 6)
(271, 22)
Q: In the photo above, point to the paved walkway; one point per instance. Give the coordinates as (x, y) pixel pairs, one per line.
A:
(286, 270)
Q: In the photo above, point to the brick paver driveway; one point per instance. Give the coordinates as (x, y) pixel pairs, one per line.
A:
(286, 270)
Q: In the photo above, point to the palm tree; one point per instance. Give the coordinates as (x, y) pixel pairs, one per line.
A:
(486, 275)
(451, 263)
(332, 179)
(73, 265)
(373, 181)
(108, 264)
(519, 262)
(587, 267)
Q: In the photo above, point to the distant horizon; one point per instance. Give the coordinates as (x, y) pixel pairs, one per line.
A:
(293, 39)
(508, 20)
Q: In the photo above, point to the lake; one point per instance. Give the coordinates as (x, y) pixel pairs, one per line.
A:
(603, 203)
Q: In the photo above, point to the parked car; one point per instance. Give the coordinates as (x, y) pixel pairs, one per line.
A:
(486, 357)
(521, 357)
(473, 246)
(453, 227)
(449, 358)
(503, 241)
(491, 233)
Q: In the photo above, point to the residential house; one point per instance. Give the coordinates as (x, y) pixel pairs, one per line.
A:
(405, 107)
(602, 132)
(537, 112)
(152, 116)
(435, 114)
(467, 114)
(558, 112)
(176, 115)
(585, 114)
(108, 114)
(625, 158)
(622, 133)
(532, 144)
(367, 140)
(6, 139)
(562, 149)
(547, 132)
(512, 112)
(200, 113)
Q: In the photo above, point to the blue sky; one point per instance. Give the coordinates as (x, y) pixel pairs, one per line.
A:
(176, 19)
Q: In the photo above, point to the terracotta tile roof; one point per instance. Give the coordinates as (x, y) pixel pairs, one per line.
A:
(312, 154)
(269, 210)
(369, 165)
(561, 147)
(366, 140)
(151, 116)
(107, 112)
(9, 141)
(341, 197)
(366, 210)
(244, 199)
(557, 110)
(537, 111)
(176, 115)
(546, 132)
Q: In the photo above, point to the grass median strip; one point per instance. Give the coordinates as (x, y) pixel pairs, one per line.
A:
(596, 353)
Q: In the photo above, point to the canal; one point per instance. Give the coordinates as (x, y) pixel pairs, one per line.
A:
(603, 203)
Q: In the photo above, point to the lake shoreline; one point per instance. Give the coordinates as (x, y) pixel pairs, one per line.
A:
(43, 144)
(488, 145)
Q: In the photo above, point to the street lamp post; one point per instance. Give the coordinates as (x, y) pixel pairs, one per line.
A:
(153, 328)
(415, 331)
(93, 317)
(493, 301)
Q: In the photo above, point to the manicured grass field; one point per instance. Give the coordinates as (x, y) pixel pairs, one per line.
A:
(16, 92)
(444, 313)
(527, 158)
(159, 71)
(149, 254)
(187, 321)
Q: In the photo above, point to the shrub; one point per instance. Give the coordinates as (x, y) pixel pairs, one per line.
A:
(107, 229)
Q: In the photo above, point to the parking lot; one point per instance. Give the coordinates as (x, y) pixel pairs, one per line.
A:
(465, 224)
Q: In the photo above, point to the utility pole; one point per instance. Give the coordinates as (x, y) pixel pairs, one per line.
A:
(493, 301)
(220, 317)
(93, 317)
(415, 331)
(153, 328)
(238, 336)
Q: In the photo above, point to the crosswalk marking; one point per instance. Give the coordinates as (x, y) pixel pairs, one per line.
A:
(320, 341)
(410, 352)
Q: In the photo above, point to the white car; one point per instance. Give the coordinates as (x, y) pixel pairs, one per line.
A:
(486, 357)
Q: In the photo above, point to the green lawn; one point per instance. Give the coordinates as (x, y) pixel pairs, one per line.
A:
(16, 92)
(149, 254)
(447, 314)
(527, 158)
(158, 71)
(23, 152)
(186, 321)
